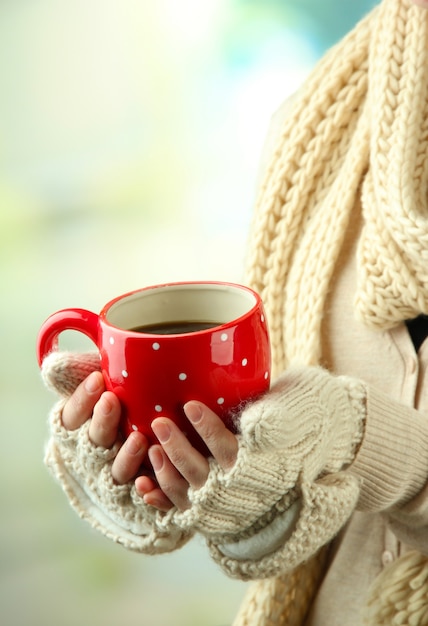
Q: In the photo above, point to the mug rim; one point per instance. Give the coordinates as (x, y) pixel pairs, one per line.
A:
(103, 315)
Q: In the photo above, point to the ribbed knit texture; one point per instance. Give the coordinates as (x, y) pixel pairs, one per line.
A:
(62, 372)
(358, 125)
(391, 481)
(84, 472)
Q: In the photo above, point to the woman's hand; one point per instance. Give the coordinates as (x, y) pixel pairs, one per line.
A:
(177, 465)
(91, 401)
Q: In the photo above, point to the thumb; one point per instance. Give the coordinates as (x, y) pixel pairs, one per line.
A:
(62, 372)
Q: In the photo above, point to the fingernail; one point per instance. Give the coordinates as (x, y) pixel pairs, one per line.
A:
(92, 383)
(105, 405)
(162, 431)
(193, 412)
(156, 458)
(133, 445)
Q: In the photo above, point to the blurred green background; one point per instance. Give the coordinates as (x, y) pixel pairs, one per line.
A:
(130, 137)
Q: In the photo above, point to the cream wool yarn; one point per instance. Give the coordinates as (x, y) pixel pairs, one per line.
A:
(281, 601)
(63, 372)
(84, 472)
(399, 595)
(360, 121)
(359, 125)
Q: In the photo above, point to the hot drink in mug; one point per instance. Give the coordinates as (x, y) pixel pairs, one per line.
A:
(164, 345)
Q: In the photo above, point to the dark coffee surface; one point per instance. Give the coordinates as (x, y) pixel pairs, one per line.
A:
(175, 328)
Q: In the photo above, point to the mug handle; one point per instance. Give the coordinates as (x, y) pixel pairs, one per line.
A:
(81, 320)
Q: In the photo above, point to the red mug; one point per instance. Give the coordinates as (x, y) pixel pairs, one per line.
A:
(164, 345)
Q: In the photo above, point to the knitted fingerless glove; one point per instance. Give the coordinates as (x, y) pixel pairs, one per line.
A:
(84, 471)
(289, 477)
(62, 372)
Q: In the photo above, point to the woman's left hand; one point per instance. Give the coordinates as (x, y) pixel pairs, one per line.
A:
(177, 464)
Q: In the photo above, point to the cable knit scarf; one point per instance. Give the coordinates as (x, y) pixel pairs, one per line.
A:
(358, 126)
(359, 123)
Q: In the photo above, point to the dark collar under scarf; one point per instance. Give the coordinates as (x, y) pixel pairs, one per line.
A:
(418, 330)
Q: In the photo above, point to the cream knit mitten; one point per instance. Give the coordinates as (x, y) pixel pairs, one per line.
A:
(84, 471)
(62, 372)
(287, 494)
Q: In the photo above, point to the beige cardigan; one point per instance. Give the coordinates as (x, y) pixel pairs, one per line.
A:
(392, 461)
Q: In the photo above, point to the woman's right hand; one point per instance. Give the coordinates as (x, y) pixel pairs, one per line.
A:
(90, 401)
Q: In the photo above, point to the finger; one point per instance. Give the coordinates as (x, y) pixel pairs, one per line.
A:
(78, 408)
(188, 461)
(128, 461)
(171, 482)
(220, 441)
(151, 494)
(104, 425)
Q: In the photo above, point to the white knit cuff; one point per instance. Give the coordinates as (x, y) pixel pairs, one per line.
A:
(84, 472)
(326, 506)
